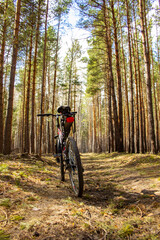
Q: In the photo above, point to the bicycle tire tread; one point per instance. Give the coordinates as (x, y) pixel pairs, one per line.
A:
(79, 166)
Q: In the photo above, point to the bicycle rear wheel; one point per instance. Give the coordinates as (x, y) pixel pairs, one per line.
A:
(75, 167)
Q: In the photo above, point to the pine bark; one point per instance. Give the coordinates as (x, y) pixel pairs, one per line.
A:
(90, 129)
(105, 112)
(148, 76)
(99, 125)
(127, 118)
(43, 79)
(110, 140)
(48, 106)
(158, 85)
(119, 87)
(34, 81)
(55, 80)
(109, 55)
(70, 77)
(8, 124)
(3, 44)
(136, 100)
(131, 78)
(155, 103)
(24, 101)
(141, 132)
(94, 126)
(27, 107)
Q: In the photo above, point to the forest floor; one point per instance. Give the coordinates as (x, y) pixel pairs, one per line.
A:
(121, 199)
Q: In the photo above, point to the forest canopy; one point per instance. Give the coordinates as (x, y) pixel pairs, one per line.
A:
(114, 86)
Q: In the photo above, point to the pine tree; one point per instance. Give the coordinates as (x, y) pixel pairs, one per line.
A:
(148, 75)
(3, 43)
(8, 125)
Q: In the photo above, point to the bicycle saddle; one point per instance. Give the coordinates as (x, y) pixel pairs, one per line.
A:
(64, 109)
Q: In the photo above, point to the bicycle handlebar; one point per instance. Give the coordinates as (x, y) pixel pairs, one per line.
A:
(47, 115)
(55, 115)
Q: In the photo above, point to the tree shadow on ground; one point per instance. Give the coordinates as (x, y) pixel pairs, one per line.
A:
(30, 159)
(103, 196)
(43, 190)
(148, 159)
(106, 186)
(59, 232)
(102, 156)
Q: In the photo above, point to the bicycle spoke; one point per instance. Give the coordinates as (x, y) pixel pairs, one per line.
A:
(75, 170)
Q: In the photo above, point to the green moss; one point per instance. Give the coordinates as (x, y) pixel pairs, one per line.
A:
(32, 198)
(3, 167)
(87, 196)
(23, 174)
(126, 230)
(4, 236)
(6, 202)
(16, 218)
(23, 226)
(150, 237)
(48, 179)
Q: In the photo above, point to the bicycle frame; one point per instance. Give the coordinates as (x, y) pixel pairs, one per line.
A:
(67, 153)
(62, 135)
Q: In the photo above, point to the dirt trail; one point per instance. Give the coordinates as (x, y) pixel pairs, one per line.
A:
(121, 199)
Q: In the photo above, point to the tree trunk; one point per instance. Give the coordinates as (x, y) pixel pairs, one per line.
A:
(105, 112)
(33, 82)
(8, 125)
(148, 77)
(54, 84)
(90, 129)
(155, 103)
(48, 106)
(43, 79)
(70, 77)
(119, 88)
(158, 81)
(27, 108)
(136, 101)
(109, 119)
(94, 127)
(109, 54)
(144, 118)
(24, 102)
(127, 121)
(131, 78)
(141, 140)
(4, 28)
(100, 123)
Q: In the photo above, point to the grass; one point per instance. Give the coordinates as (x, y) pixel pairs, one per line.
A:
(3, 167)
(16, 218)
(33, 198)
(4, 236)
(113, 207)
(126, 230)
(150, 237)
(5, 202)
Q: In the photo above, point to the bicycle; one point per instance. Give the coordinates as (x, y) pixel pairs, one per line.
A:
(67, 153)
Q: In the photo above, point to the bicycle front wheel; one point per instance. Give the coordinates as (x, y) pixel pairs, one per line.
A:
(75, 167)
